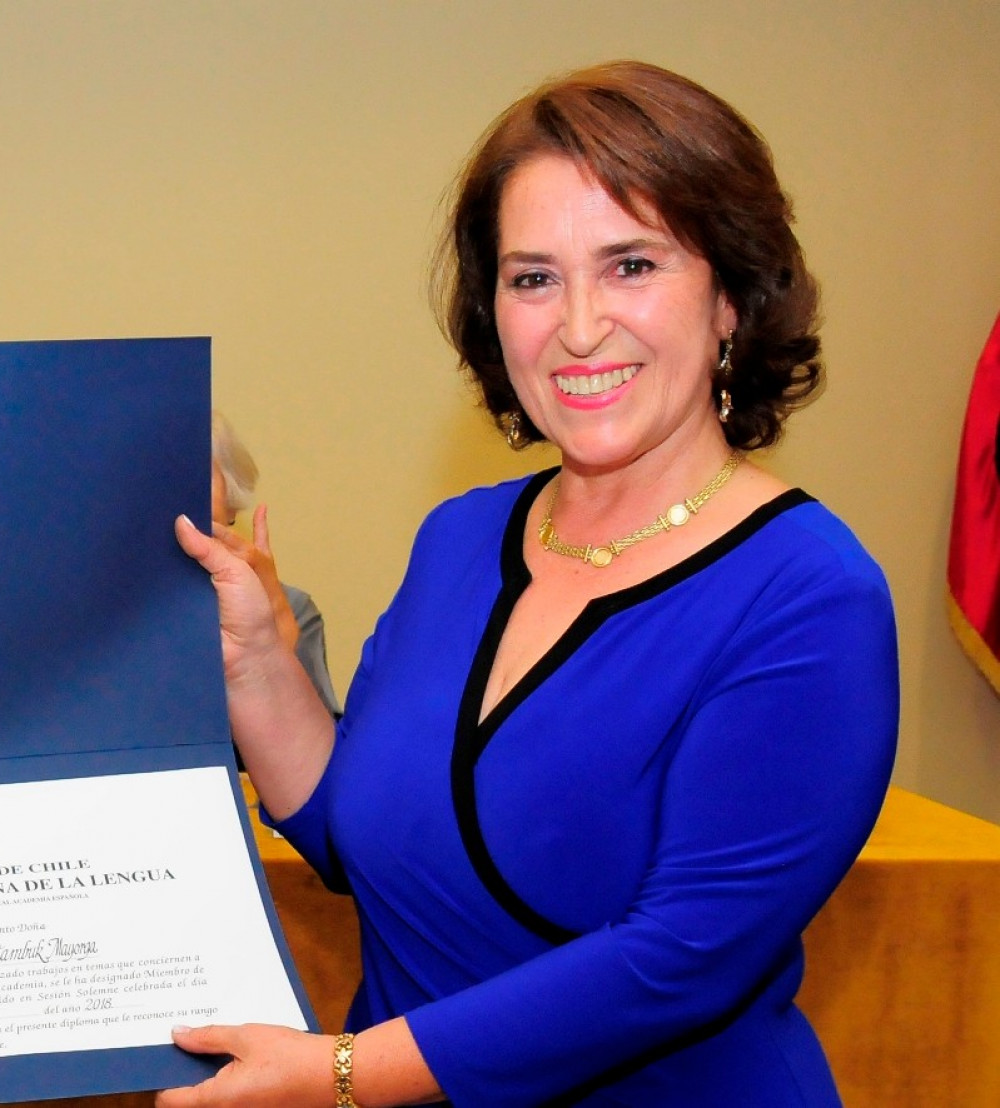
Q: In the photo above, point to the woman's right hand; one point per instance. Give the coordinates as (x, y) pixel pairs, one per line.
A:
(283, 729)
(249, 632)
(258, 556)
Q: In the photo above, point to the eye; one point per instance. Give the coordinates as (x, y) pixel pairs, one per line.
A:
(634, 267)
(531, 280)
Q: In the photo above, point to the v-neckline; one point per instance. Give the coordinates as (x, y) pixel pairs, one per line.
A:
(515, 577)
(472, 735)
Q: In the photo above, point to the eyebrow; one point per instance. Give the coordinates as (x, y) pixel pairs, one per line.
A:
(632, 246)
(611, 250)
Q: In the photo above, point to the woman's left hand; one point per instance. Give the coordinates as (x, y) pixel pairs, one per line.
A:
(271, 1067)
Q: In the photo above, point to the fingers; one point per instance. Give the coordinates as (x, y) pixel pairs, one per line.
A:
(261, 535)
(271, 1067)
(211, 1039)
(192, 541)
(235, 542)
(185, 1096)
(212, 1093)
(255, 553)
(209, 552)
(176, 1098)
(258, 559)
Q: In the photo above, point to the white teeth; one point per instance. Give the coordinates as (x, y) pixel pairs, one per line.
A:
(596, 383)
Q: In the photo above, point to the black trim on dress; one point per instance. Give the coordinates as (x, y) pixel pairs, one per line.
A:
(473, 736)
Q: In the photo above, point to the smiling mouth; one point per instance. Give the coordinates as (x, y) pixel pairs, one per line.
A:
(577, 384)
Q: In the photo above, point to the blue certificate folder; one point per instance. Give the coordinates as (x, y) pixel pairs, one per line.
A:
(110, 658)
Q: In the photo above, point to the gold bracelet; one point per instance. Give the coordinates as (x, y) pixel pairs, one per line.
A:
(343, 1071)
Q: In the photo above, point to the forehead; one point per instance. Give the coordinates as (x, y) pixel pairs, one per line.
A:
(554, 194)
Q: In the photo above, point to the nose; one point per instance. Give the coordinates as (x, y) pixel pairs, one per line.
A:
(586, 322)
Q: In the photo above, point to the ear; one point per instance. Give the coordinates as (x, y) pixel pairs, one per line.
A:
(726, 319)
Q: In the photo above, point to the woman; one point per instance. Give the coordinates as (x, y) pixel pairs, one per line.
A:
(625, 725)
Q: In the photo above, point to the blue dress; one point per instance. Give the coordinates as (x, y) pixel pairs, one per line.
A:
(596, 895)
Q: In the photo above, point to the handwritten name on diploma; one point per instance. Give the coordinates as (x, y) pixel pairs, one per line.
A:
(48, 950)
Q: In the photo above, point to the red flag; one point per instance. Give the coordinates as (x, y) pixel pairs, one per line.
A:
(974, 553)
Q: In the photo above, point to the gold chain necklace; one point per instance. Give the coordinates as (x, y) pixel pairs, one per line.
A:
(675, 516)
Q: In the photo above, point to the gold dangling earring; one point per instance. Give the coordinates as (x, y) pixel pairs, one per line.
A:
(725, 371)
(516, 438)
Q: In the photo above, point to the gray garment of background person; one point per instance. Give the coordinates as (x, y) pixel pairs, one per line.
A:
(311, 647)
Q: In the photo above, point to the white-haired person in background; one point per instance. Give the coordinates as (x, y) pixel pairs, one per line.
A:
(234, 478)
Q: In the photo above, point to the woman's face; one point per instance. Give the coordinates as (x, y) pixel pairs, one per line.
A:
(610, 327)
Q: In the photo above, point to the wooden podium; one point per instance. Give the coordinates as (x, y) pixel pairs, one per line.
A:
(903, 964)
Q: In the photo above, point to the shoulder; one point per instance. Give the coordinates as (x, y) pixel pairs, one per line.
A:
(799, 563)
(463, 535)
(477, 512)
(790, 559)
(457, 551)
(816, 538)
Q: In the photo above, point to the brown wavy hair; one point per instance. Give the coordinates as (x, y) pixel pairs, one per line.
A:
(651, 138)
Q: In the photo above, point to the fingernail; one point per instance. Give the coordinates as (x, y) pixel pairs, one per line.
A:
(179, 1029)
(187, 520)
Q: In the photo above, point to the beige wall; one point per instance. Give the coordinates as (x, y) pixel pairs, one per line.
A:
(267, 173)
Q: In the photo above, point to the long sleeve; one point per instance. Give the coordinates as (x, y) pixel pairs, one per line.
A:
(773, 790)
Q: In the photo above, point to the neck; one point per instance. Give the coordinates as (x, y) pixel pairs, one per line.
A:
(621, 497)
(601, 553)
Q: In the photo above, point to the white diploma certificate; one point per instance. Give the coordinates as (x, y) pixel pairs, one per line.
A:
(129, 905)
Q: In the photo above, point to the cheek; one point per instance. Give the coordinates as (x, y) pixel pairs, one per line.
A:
(682, 329)
(523, 334)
